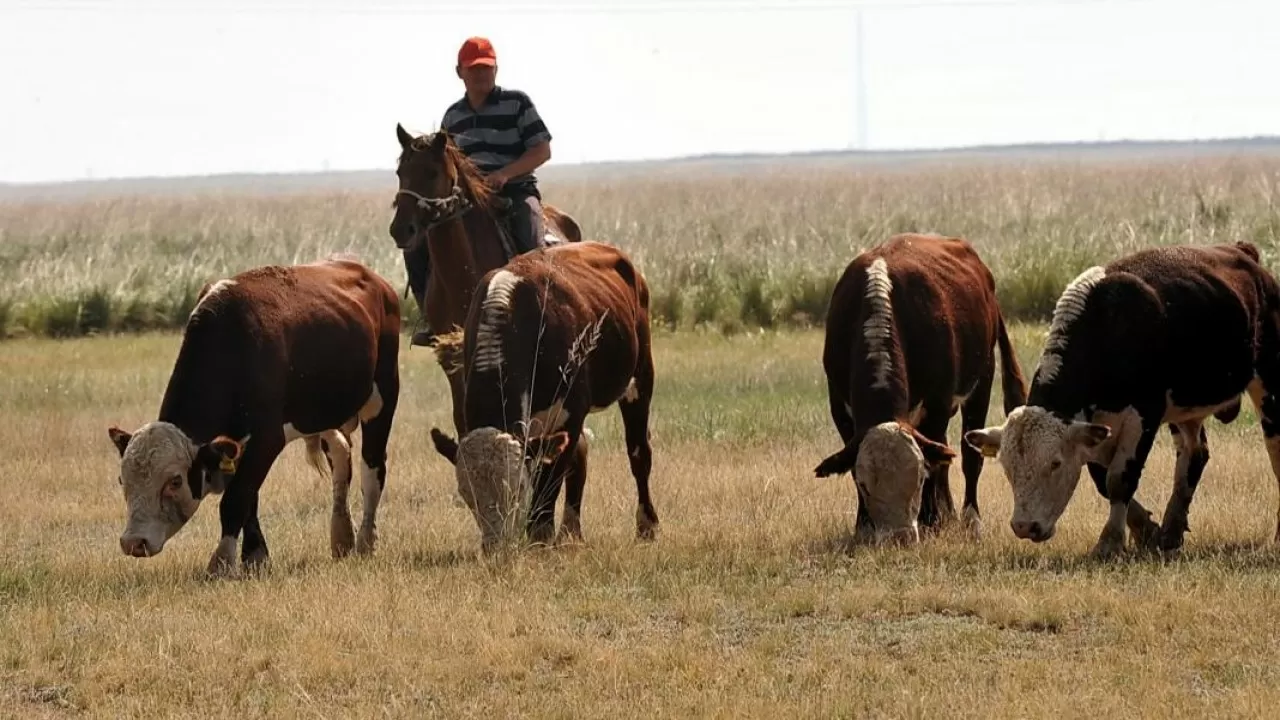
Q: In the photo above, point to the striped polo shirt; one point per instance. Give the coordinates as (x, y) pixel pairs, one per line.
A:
(499, 133)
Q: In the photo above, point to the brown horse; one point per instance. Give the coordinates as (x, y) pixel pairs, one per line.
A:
(444, 203)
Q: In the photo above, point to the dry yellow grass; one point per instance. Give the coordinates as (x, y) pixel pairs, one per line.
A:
(749, 605)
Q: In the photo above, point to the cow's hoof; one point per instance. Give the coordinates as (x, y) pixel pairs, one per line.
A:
(570, 534)
(646, 525)
(1108, 547)
(1170, 542)
(1146, 533)
(365, 541)
(223, 561)
(542, 534)
(257, 562)
(570, 528)
(341, 535)
(973, 524)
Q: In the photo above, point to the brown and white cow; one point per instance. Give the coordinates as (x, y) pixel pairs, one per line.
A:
(1164, 335)
(555, 334)
(910, 338)
(268, 356)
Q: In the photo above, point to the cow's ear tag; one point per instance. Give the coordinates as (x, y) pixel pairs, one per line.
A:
(989, 451)
(228, 465)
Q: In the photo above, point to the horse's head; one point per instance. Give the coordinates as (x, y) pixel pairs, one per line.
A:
(437, 184)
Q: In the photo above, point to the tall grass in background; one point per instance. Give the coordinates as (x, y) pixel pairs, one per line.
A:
(760, 246)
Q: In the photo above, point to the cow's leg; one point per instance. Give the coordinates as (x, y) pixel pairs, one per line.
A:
(1262, 393)
(634, 405)
(973, 416)
(373, 480)
(546, 479)
(937, 506)
(341, 535)
(1143, 529)
(239, 502)
(458, 395)
(1136, 436)
(574, 482)
(541, 524)
(864, 531)
(253, 551)
(376, 420)
(1193, 455)
(840, 413)
(842, 416)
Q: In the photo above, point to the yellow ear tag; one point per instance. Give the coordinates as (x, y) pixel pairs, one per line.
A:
(228, 465)
(989, 451)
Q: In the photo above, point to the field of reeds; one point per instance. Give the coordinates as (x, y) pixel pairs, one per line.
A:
(756, 246)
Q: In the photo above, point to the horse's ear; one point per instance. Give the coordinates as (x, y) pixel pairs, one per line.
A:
(440, 140)
(403, 136)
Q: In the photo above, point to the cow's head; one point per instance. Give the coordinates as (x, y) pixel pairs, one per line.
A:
(494, 470)
(164, 476)
(889, 467)
(1042, 456)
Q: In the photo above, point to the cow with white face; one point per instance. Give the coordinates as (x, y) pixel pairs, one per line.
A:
(270, 356)
(496, 473)
(1042, 456)
(554, 335)
(1165, 336)
(911, 338)
(890, 468)
(164, 476)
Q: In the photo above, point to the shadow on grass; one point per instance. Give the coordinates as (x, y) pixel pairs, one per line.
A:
(438, 559)
(1044, 559)
(840, 541)
(1231, 555)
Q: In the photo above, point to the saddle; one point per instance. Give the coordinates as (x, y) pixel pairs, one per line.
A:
(504, 211)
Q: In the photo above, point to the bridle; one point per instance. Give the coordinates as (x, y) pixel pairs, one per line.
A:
(440, 210)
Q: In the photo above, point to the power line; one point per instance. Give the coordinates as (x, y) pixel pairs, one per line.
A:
(533, 7)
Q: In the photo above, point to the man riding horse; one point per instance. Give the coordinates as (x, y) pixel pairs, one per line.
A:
(500, 131)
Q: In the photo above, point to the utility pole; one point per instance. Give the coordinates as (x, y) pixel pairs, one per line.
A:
(860, 82)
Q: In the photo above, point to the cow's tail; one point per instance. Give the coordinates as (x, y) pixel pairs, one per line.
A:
(1012, 384)
(316, 455)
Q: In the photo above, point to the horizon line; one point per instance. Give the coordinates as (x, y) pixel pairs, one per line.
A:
(693, 158)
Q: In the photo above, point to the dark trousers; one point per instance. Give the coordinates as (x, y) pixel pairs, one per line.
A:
(525, 221)
(526, 217)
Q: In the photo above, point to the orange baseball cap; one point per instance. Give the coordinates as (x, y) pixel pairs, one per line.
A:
(476, 51)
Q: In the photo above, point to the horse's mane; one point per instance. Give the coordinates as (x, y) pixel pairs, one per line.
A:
(469, 176)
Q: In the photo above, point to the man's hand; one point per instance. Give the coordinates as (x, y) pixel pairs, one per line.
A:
(496, 179)
(531, 160)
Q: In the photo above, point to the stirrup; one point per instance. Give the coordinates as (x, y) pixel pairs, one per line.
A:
(423, 338)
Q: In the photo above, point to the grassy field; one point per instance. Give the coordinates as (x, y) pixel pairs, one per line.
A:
(749, 605)
(756, 246)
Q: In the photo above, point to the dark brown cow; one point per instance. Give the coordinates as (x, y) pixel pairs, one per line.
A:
(910, 338)
(554, 335)
(268, 356)
(1166, 335)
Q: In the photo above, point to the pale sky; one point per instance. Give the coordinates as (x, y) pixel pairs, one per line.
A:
(125, 88)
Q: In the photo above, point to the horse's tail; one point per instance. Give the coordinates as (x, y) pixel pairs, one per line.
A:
(564, 222)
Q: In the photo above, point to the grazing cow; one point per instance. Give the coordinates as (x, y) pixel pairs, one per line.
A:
(268, 356)
(910, 338)
(552, 336)
(1165, 335)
